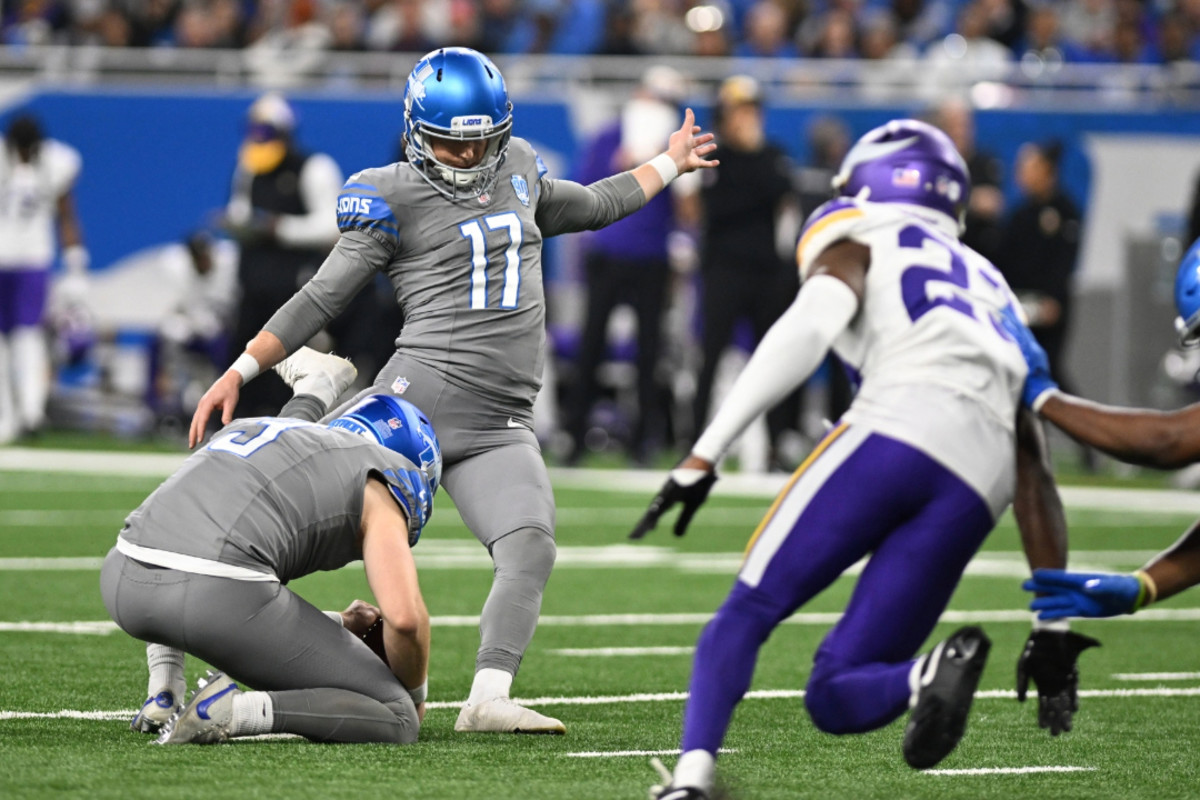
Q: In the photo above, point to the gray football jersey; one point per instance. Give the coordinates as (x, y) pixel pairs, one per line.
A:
(467, 273)
(268, 494)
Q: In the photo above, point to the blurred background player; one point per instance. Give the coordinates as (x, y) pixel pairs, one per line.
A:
(743, 275)
(1041, 246)
(37, 215)
(1039, 255)
(914, 476)
(283, 213)
(627, 261)
(457, 229)
(1159, 439)
(984, 231)
(193, 336)
(220, 540)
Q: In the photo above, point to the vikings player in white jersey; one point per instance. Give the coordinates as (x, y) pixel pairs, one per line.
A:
(913, 476)
(458, 229)
(36, 176)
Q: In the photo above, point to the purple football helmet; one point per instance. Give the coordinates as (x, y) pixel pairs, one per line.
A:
(906, 161)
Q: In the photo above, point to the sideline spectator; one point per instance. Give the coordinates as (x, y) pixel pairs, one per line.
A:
(627, 261)
(743, 275)
(1041, 244)
(283, 213)
(985, 205)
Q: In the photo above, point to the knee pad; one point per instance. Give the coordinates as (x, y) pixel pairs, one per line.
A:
(528, 551)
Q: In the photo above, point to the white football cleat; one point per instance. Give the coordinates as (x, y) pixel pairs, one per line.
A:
(155, 712)
(502, 715)
(323, 375)
(207, 717)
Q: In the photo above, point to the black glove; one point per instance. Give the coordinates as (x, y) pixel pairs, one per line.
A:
(687, 486)
(1049, 659)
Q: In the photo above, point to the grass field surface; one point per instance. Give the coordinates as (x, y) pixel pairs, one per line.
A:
(611, 659)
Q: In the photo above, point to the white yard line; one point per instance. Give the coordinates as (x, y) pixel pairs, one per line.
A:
(1156, 676)
(41, 518)
(452, 555)
(627, 620)
(607, 652)
(1005, 770)
(647, 697)
(623, 753)
(114, 465)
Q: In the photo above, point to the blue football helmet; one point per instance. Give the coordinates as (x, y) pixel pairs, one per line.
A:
(1187, 297)
(399, 426)
(457, 93)
(907, 161)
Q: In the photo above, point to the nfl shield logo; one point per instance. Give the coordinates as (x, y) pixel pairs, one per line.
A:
(521, 188)
(399, 385)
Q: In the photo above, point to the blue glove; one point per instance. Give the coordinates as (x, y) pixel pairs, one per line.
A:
(1038, 383)
(1084, 594)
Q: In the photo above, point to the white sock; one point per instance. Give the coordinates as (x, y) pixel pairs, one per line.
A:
(916, 675)
(166, 671)
(9, 427)
(695, 768)
(31, 368)
(489, 683)
(253, 713)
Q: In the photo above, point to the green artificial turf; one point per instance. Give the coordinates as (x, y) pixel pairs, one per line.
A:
(1127, 746)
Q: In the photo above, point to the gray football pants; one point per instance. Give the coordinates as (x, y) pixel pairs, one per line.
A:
(494, 472)
(324, 682)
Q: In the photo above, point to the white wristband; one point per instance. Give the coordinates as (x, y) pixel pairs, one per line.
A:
(1041, 399)
(419, 694)
(664, 165)
(336, 616)
(246, 366)
(1054, 625)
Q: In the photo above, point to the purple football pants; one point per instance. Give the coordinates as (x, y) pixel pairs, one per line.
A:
(859, 493)
(22, 298)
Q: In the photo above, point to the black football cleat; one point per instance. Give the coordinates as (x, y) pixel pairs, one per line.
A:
(682, 793)
(949, 677)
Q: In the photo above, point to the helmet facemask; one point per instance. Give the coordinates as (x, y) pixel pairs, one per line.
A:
(459, 182)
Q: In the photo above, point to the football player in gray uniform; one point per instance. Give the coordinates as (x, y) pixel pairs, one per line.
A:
(202, 566)
(458, 229)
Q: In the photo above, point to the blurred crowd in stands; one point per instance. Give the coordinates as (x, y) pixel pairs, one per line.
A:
(1046, 32)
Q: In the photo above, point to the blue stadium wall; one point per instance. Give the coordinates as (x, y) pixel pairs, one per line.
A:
(157, 164)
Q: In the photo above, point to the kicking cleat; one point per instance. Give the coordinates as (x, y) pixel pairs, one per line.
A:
(322, 375)
(502, 715)
(667, 791)
(155, 712)
(942, 701)
(207, 717)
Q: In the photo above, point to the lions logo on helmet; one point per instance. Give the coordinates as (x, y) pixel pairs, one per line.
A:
(458, 94)
(399, 426)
